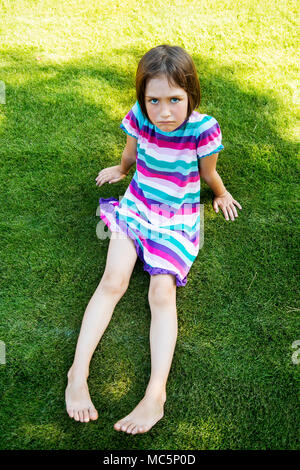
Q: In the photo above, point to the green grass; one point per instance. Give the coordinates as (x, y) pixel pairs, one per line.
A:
(68, 70)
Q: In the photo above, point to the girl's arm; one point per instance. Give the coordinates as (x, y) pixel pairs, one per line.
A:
(116, 173)
(208, 172)
(129, 154)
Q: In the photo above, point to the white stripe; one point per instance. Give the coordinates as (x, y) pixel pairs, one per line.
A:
(167, 186)
(209, 148)
(130, 129)
(187, 219)
(167, 154)
(157, 261)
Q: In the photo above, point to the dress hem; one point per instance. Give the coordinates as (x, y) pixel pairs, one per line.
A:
(217, 150)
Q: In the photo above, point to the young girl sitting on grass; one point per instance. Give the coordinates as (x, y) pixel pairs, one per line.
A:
(158, 219)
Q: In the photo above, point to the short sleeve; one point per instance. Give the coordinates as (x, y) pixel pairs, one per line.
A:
(133, 121)
(209, 140)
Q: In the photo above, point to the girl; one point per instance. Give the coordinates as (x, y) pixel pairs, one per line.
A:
(157, 220)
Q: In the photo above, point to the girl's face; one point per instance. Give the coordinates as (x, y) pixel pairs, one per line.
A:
(166, 106)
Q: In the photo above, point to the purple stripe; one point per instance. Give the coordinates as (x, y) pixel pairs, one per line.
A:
(178, 175)
(208, 132)
(148, 201)
(174, 139)
(133, 120)
(168, 251)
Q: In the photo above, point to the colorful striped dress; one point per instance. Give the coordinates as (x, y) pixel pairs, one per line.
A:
(160, 210)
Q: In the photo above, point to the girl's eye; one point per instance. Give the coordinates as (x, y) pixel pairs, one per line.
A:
(155, 99)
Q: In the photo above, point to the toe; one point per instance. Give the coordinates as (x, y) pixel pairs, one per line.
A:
(134, 430)
(130, 428)
(125, 425)
(70, 413)
(119, 425)
(93, 413)
(80, 413)
(86, 416)
(76, 416)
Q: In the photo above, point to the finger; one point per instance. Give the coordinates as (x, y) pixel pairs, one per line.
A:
(238, 204)
(215, 206)
(234, 210)
(225, 213)
(102, 173)
(230, 213)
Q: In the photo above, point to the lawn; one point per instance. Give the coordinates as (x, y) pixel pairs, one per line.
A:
(67, 75)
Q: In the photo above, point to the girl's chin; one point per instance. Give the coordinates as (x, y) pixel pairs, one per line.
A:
(169, 126)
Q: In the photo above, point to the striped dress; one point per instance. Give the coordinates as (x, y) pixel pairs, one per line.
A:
(160, 210)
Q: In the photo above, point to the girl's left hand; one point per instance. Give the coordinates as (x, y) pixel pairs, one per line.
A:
(226, 203)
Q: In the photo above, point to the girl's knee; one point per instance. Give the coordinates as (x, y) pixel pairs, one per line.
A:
(114, 282)
(162, 290)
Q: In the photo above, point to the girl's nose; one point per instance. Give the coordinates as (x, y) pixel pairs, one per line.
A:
(165, 113)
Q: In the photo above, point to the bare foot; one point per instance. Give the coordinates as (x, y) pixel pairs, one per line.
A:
(143, 417)
(78, 401)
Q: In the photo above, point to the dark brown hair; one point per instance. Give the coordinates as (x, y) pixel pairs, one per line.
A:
(178, 67)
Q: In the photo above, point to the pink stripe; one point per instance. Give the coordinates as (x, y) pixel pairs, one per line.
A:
(167, 144)
(158, 208)
(196, 242)
(135, 213)
(173, 179)
(176, 153)
(138, 197)
(105, 219)
(187, 210)
(131, 122)
(209, 138)
(162, 254)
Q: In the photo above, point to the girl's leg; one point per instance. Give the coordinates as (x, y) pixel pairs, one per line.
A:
(163, 335)
(121, 258)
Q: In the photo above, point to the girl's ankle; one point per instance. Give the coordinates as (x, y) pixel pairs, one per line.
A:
(77, 375)
(159, 395)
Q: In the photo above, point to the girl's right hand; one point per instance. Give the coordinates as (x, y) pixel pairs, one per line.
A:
(112, 174)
